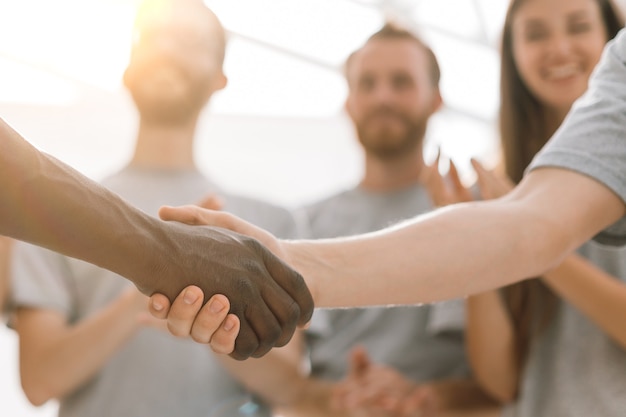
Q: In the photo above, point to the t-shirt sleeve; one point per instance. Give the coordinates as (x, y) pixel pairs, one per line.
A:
(37, 277)
(592, 138)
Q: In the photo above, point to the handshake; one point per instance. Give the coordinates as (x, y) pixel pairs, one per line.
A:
(228, 286)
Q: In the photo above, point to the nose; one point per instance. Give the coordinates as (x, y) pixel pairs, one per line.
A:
(560, 45)
(383, 93)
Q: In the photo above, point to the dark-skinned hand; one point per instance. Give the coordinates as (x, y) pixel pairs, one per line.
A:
(269, 297)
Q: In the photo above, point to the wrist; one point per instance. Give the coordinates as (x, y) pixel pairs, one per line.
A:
(296, 254)
(154, 253)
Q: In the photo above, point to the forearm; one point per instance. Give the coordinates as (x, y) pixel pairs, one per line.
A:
(460, 250)
(58, 364)
(463, 249)
(598, 295)
(490, 344)
(47, 203)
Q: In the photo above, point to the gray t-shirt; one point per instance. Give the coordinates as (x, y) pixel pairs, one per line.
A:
(574, 369)
(423, 342)
(153, 374)
(592, 139)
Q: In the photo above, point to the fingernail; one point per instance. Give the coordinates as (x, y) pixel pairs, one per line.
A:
(229, 324)
(157, 306)
(190, 297)
(216, 306)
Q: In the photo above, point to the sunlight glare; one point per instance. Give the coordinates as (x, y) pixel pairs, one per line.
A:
(84, 41)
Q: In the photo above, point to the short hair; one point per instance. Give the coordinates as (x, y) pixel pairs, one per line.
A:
(393, 31)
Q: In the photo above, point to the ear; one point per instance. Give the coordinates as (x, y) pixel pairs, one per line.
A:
(437, 102)
(220, 81)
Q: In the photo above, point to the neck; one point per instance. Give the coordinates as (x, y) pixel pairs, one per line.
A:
(383, 175)
(165, 146)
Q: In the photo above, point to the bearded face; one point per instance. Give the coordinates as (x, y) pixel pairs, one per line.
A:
(387, 132)
(391, 96)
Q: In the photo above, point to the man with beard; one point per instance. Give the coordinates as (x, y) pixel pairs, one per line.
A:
(86, 338)
(393, 89)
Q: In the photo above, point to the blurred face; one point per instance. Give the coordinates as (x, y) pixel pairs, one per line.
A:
(391, 96)
(556, 45)
(173, 67)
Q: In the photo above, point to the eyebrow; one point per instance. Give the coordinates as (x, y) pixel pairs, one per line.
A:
(577, 14)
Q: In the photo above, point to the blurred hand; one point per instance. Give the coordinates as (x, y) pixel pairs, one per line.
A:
(491, 185)
(445, 190)
(374, 390)
(268, 297)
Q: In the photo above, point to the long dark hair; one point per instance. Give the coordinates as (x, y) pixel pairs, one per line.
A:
(523, 132)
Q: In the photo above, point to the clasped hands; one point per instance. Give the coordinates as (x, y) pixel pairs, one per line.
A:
(257, 299)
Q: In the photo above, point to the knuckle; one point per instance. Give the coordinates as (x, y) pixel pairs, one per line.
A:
(261, 351)
(220, 348)
(285, 337)
(203, 324)
(293, 313)
(237, 356)
(200, 338)
(176, 330)
(269, 339)
(244, 348)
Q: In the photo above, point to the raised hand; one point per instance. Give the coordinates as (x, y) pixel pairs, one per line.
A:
(269, 298)
(445, 190)
(491, 185)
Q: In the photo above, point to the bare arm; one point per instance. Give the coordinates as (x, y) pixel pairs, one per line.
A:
(45, 202)
(490, 343)
(460, 250)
